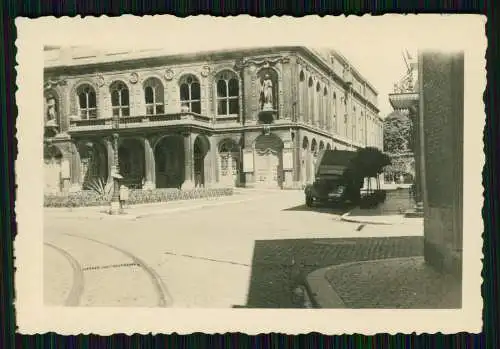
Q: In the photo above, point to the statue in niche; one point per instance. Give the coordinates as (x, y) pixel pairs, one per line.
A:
(266, 93)
(51, 112)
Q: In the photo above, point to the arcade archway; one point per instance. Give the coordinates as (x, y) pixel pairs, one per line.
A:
(132, 163)
(94, 164)
(169, 158)
(200, 150)
(229, 162)
(52, 157)
(268, 161)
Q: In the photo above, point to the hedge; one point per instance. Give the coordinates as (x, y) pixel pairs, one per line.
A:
(136, 196)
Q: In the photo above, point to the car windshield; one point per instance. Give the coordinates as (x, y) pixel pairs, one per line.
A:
(328, 183)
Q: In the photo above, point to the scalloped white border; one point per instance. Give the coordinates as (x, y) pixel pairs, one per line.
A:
(370, 34)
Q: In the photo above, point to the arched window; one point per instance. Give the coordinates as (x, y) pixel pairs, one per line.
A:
(326, 112)
(334, 111)
(120, 102)
(87, 102)
(227, 94)
(302, 96)
(190, 93)
(353, 135)
(311, 100)
(154, 97)
(361, 128)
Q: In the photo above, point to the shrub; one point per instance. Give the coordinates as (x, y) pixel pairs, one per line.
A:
(136, 196)
(369, 201)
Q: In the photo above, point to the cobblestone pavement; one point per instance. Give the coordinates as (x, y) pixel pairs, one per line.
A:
(250, 254)
(394, 283)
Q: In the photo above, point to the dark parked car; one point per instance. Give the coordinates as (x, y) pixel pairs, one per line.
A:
(332, 182)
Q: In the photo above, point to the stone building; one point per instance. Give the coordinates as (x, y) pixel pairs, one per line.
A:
(246, 117)
(433, 94)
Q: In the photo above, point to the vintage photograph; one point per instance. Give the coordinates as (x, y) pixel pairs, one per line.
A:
(263, 176)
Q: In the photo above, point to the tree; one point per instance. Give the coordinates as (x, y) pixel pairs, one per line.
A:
(369, 162)
(398, 133)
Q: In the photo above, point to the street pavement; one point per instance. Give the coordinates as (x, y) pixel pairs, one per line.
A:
(250, 252)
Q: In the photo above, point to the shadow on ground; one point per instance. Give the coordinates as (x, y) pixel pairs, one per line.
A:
(280, 266)
(329, 209)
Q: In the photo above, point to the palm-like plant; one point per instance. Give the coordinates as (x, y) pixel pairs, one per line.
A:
(101, 187)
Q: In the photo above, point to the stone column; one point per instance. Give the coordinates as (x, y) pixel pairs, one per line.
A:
(249, 176)
(441, 114)
(150, 165)
(110, 152)
(286, 159)
(416, 134)
(210, 164)
(75, 170)
(188, 162)
(230, 169)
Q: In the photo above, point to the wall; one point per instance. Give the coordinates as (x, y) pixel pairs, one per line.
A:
(441, 105)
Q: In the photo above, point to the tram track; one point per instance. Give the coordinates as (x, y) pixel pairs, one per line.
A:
(76, 291)
(164, 299)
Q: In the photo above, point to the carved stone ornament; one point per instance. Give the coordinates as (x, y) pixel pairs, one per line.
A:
(54, 83)
(169, 74)
(100, 80)
(134, 77)
(205, 71)
(265, 61)
(405, 85)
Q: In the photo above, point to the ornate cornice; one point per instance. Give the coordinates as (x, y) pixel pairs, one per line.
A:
(54, 83)
(261, 62)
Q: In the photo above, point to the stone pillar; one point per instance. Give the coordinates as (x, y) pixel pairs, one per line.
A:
(110, 152)
(210, 164)
(230, 180)
(297, 163)
(418, 160)
(150, 165)
(441, 79)
(249, 175)
(188, 162)
(75, 170)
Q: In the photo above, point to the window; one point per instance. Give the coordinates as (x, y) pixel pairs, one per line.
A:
(334, 111)
(87, 102)
(153, 95)
(190, 93)
(224, 165)
(120, 99)
(227, 94)
(235, 167)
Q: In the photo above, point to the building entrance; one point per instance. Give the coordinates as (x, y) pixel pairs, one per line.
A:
(268, 161)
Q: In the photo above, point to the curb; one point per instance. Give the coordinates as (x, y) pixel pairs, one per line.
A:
(189, 208)
(130, 216)
(322, 293)
(346, 218)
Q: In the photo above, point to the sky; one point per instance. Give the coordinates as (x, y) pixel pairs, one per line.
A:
(381, 69)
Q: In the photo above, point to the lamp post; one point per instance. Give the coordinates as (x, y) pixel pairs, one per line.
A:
(115, 170)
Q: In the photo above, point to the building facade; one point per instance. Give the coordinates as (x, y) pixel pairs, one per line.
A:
(433, 94)
(252, 117)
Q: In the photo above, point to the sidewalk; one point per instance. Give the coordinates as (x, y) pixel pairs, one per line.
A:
(390, 212)
(373, 216)
(146, 210)
(404, 283)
